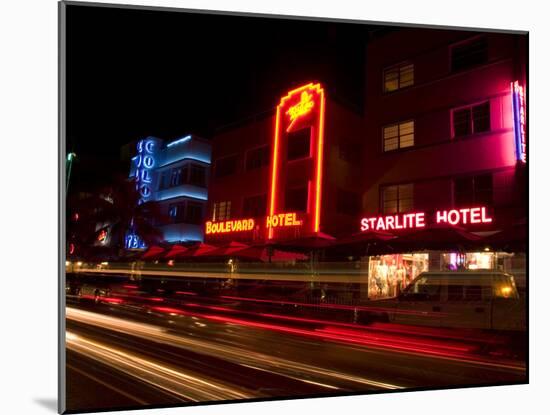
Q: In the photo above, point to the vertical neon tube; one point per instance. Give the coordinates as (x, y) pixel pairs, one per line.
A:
(319, 169)
(275, 161)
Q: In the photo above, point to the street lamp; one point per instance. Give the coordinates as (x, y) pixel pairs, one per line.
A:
(70, 158)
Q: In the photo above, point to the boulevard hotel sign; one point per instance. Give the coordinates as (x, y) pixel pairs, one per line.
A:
(281, 220)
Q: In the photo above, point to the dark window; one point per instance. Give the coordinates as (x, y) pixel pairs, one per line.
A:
(255, 206)
(398, 198)
(473, 190)
(175, 177)
(296, 199)
(348, 203)
(398, 76)
(164, 180)
(176, 212)
(257, 158)
(193, 213)
(467, 55)
(226, 166)
(472, 120)
(298, 144)
(197, 175)
(481, 118)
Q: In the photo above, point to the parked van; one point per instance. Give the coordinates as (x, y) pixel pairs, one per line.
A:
(469, 299)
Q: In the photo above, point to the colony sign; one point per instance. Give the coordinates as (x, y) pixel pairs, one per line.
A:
(453, 217)
(144, 163)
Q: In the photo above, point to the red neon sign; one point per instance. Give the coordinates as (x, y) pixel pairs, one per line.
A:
(416, 220)
(240, 225)
(282, 220)
(308, 99)
(303, 107)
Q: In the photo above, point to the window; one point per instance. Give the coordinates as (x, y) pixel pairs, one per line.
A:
(472, 120)
(176, 176)
(398, 198)
(193, 213)
(221, 211)
(197, 175)
(348, 203)
(164, 180)
(176, 212)
(298, 144)
(469, 54)
(476, 190)
(398, 136)
(257, 158)
(255, 206)
(226, 166)
(398, 76)
(296, 199)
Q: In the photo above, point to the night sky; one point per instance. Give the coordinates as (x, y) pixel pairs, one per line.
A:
(134, 73)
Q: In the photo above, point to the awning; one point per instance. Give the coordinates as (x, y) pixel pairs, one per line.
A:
(175, 251)
(153, 252)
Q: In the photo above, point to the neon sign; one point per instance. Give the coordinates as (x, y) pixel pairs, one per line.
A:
(133, 241)
(520, 120)
(307, 99)
(240, 225)
(145, 161)
(416, 220)
(282, 220)
(301, 108)
(102, 236)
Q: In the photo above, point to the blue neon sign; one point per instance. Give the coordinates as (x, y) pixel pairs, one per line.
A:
(144, 163)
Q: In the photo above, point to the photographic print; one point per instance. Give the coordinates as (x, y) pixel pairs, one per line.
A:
(268, 207)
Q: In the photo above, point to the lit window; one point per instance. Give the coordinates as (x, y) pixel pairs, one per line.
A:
(471, 120)
(398, 76)
(221, 211)
(398, 136)
(398, 198)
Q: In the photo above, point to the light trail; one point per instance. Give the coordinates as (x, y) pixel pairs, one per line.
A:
(277, 365)
(183, 385)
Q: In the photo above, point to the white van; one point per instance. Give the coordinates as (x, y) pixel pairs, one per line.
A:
(469, 299)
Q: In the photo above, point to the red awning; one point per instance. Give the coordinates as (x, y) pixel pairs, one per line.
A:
(175, 251)
(198, 250)
(153, 251)
(228, 250)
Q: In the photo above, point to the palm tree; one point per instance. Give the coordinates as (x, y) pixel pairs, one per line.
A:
(116, 207)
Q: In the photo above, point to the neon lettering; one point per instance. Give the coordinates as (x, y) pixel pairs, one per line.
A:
(452, 217)
(520, 120)
(282, 220)
(301, 108)
(239, 225)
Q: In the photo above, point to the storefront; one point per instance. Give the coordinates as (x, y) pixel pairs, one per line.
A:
(388, 275)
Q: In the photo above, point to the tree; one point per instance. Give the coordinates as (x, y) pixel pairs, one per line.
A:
(114, 207)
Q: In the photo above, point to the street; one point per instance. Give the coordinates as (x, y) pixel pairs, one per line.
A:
(136, 349)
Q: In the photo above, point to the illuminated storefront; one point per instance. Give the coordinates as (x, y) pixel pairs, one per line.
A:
(388, 275)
